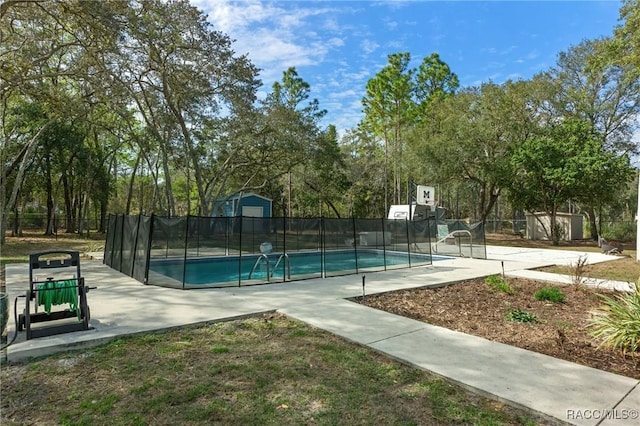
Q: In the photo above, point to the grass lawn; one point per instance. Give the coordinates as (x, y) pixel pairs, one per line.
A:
(263, 370)
(17, 249)
(625, 269)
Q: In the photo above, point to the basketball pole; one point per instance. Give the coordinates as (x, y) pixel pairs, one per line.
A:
(638, 222)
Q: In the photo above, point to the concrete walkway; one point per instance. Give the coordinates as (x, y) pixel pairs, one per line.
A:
(554, 388)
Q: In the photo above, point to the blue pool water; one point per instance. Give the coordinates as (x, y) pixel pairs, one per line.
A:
(229, 270)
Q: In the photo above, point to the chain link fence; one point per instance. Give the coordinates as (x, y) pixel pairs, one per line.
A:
(38, 221)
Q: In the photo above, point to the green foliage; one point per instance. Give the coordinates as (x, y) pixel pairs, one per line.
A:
(564, 161)
(619, 231)
(617, 322)
(397, 99)
(552, 294)
(434, 81)
(625, 47)
(470, 136)
(500, 284)
(364, 158)
(518, 315)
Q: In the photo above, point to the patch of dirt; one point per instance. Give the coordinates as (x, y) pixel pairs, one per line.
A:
(473, 307)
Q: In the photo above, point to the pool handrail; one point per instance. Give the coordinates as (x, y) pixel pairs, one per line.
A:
(255, 265)
(453, 234)
(287, 263)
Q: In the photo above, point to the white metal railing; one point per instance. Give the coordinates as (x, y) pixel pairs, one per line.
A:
(287, 265)
(255, 265)
(453, 234)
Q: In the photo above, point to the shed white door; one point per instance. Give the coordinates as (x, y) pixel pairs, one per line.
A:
(251, 211)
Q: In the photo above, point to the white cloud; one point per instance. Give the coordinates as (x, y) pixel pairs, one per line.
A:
(436, 38)
(391, 25)
(331, 24)
(493, 65)
(508, 50)
(274, 37)
(369, 46)
(338, 45)
(395, 44)
(344, 94)
(363, 74)
(529, 57)
(335, 42)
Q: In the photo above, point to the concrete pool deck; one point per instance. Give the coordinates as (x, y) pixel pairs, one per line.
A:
(554, 388)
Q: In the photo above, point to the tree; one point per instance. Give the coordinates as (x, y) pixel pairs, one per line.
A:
(294, 122)
(397, 99)
(186, 83)
(606, 95)
(566, 160)
(364, 158)
(468, 141)
(324, 173)
(62, 143)
(389, 109)
(624, 48)
(434, 82)
(48, 48)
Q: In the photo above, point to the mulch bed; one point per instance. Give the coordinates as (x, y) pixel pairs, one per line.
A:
(475, 308)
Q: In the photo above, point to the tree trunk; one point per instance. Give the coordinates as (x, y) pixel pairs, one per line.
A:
(155, 196)
(3, 194)
(593, 226)
(3, 230)
(486, 206)
(50, 207)
(15, 226)
(171, 205)
(192, 156)
(335, 210)
(28, 152)
(83, 223)
(103, 217)
(72, 227)
(78, 211)
(555, 237)
(127, 208)
(68, 207)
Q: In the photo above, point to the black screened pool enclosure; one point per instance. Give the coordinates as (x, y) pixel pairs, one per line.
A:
(198, 252)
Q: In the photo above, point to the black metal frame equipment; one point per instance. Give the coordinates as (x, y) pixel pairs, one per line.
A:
(50, 263)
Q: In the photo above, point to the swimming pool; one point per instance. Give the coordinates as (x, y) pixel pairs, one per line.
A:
(253, 269)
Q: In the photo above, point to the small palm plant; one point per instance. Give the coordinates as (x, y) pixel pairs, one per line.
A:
(617, 322)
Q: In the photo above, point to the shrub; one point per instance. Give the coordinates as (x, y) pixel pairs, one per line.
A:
(617, 322)
(500, 284)
(578, 270)
(552, 294)
(619, 231)
(519, 315)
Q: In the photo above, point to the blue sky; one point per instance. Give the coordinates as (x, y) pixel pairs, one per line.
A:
(337, 46)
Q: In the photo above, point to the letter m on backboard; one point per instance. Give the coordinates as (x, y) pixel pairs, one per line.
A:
(425, 195)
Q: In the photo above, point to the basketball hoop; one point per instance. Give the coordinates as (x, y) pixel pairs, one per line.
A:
(426, 196)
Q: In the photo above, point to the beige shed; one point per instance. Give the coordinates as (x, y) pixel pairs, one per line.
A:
(571, 225)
